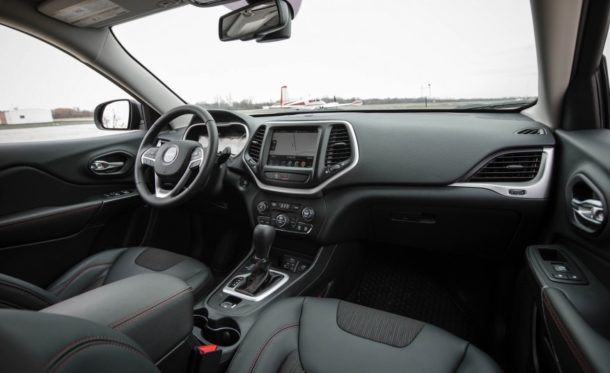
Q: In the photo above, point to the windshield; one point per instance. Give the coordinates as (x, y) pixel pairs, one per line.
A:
(347, 55)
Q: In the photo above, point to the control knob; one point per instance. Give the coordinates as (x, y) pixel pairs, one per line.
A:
(281, 220)
(262, 207)
(308, 213)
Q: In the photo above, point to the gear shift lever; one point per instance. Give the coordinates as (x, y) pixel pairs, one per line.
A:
(262, 240)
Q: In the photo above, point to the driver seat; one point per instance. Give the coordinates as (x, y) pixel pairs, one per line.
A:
(103, 268)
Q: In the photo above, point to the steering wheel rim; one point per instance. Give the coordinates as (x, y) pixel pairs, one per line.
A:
(183, 163)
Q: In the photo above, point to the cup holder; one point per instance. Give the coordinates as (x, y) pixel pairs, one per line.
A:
(223, 332)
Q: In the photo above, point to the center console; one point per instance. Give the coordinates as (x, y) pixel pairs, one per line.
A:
(278, 266)
(291, 163)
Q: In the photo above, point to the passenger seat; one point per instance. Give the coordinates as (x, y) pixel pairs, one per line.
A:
(327, 335)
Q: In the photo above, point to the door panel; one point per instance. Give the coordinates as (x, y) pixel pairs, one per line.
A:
(585, 155)
(570, 276)
(55, 210)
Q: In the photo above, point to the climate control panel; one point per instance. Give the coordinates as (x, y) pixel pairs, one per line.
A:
(286, 216)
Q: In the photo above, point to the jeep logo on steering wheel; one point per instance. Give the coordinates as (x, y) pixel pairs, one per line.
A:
(170, 154)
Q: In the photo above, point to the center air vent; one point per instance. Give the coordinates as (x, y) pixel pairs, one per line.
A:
(339, 148)
(510, 167)
(254, 151)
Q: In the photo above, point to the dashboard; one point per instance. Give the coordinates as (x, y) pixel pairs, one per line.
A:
(468, 182)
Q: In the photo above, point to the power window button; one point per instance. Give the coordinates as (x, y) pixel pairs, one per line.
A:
(560, 268)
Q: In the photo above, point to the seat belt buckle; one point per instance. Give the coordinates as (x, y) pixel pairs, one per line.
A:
(206, 359)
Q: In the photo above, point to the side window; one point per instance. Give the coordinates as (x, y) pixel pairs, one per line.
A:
(46, 94)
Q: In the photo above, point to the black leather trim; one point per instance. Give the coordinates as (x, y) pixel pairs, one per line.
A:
(104, 268)
(34, 342)
(20, 294)
(154, 309)
(82, 276)
(309, 327)
(114, 265)
(62, 358)
(46, 223)
(579, 347)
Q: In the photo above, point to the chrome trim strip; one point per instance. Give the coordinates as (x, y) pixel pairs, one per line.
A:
(227, 124)
(535, 189)
(319, 188)
(263, 295)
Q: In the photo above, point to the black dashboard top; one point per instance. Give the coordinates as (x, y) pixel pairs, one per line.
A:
(402, 148)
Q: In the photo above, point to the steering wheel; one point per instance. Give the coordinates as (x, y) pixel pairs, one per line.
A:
(181, 167)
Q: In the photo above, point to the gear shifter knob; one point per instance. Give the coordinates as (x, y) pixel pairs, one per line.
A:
(262, 240)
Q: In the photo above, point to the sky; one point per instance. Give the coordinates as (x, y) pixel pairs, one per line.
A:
(343, 48)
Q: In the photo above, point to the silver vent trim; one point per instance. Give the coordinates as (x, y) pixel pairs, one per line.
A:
(538, 188)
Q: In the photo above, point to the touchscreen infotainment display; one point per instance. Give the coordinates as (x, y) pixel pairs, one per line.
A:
(293, 148)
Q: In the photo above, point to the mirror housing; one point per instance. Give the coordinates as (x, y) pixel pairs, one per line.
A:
(118, 115)
(254, 21)
(282, 34)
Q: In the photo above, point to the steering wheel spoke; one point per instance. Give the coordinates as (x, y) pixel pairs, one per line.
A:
(197, 157)
(161, 192)
(149, 156)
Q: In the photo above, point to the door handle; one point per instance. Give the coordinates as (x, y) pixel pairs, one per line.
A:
(101, 166)
(589, 210)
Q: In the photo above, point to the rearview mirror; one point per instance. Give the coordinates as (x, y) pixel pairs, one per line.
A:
(255, 21)
(117, 115)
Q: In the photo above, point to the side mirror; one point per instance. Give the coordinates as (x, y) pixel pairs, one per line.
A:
(254, 21)
(117, 115)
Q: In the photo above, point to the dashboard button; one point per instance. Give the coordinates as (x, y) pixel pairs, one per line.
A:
(281, 220)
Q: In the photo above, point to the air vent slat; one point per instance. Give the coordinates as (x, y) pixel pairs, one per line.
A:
(532, 131)
(254, 150)
(511, 167)
(339, 147)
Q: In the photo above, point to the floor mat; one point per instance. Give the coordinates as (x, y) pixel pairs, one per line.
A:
(446, 292)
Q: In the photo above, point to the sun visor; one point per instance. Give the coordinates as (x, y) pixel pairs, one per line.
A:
(102, 13)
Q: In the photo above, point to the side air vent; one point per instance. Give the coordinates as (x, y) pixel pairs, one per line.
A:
(339, 148)
(532, 131)
(254, 151)
(510, 167)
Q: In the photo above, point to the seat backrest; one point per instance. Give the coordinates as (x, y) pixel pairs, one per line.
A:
(35, 342)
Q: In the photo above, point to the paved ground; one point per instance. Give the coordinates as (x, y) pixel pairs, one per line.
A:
(51, 132)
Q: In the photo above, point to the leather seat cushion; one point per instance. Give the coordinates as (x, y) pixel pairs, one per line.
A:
(113, 265)
(327, 335)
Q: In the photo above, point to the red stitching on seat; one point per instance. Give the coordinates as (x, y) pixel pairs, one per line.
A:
(137, 314)
(262, 349)
(87, 343)
(580, 358)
